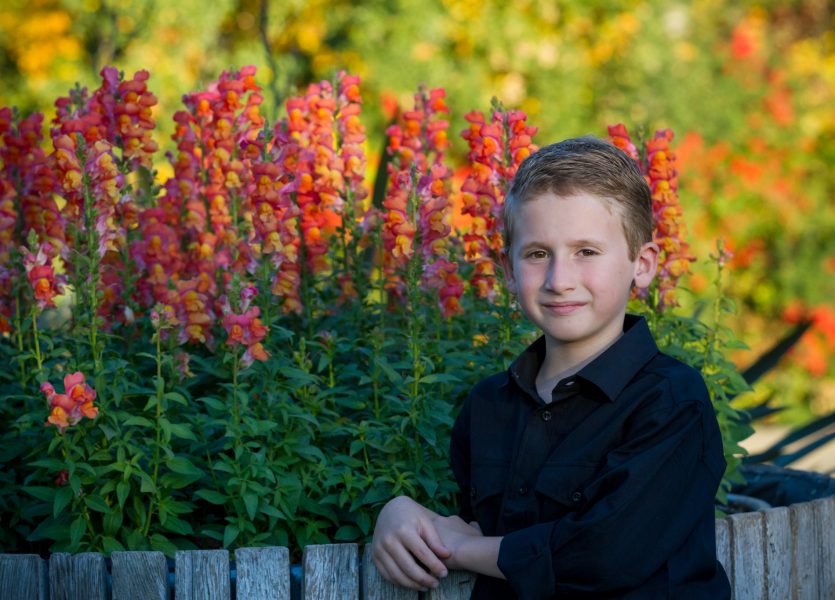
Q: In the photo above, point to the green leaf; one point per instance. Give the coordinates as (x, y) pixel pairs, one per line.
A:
(177, 525)
(212, 496)
(180, 464)
(364, 522)
(137, 420)
(112, 522)
(62, 497)
(50, 529)
(160, 543)
(182, 431)
(97, 504)
(47, 494)
(77, 531)
(122, 491)
(230, 534)
(112, 545)
(347, 533)
(176, 397)
(177, 481)
(52, 464)
(251, 502)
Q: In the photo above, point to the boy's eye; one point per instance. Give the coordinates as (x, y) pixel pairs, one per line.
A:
(588, 252)
(537, 254)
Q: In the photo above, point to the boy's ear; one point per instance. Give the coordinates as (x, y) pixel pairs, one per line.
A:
(646, 265)
(507, 269)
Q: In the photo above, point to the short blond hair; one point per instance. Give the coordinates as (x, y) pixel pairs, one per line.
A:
(591, 165)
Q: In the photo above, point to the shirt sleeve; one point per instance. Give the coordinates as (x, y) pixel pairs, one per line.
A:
(650, 496)
(460, 460)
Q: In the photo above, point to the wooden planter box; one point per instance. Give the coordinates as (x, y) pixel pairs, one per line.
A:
(777, 554)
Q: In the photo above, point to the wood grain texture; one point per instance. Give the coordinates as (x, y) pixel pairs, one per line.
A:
(263, 573)
(723, 547)
(77, 576)
(331, 572)
(139, 575)
(778, 548)
(825, 517)
(456, 586)
(23, 577)
(805, 545)
(374, 587)
(748, 543)
(202, 575)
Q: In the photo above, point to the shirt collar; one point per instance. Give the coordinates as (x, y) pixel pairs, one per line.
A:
(610, 372)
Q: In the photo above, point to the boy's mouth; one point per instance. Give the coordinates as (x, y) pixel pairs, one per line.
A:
(563, 308)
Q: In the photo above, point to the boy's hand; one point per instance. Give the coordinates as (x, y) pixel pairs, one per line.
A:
(454, 532)
(406, 547)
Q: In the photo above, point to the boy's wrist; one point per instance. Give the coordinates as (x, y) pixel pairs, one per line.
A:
(478, 554)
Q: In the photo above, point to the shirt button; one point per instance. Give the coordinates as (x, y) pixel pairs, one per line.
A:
(523, 490)
(546, 415)
(576, 497)
(472, 491)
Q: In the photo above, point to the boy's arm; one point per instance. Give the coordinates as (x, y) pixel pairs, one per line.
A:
(406, 547)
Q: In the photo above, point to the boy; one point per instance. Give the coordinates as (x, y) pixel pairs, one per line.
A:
(589, 468)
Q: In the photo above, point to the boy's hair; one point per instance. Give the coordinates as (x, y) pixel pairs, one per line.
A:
(591, 165)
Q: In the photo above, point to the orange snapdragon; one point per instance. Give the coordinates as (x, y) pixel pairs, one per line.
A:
(245, 329)
(46, 285)
(497, 149)
(74, 404)
(659, 169)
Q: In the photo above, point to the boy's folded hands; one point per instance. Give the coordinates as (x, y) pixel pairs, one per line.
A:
(407, 547)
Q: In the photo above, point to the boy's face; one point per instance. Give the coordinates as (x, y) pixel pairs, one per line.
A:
(570, 269)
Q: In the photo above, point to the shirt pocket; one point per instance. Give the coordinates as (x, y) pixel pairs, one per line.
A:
(561, 488)
(486, 491)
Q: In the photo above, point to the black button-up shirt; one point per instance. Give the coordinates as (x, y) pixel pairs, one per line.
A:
(605, 492)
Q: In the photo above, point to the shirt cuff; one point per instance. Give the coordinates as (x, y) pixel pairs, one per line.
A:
(526, 562)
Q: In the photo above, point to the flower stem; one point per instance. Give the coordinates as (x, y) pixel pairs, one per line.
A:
(158, 427)
(38, 356)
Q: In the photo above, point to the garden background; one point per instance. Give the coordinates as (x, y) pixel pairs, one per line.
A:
(747, 88)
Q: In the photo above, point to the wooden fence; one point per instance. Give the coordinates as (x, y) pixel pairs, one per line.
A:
(778, 554)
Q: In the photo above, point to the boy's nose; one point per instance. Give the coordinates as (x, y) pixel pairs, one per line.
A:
(560, 276)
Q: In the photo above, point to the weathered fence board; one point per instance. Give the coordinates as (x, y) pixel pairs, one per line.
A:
(330, 572)
(723, 547)
(23, 577)
(805, 540)
(825, 515)
(263, 573)
(202, 575)
(139, 575)
(77, 576)
(778, 558)
(374, 587)
(455, 586)
(749, 557)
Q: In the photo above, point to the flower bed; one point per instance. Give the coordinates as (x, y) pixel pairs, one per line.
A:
(255, 350)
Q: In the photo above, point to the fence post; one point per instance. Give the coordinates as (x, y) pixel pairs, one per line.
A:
(77, 576)
(331, 572)
(263, 573)
(202, 575)
(748, 547)
(724, 548)
(139, 575)
(778, 553)
(805, 542)
(374, 587)
(23, 577)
